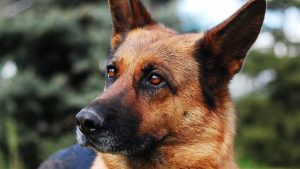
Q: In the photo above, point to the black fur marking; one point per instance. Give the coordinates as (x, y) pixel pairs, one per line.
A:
(207, 91)
(169, 79)
(151, 157)
(120, 23)
(137, 23)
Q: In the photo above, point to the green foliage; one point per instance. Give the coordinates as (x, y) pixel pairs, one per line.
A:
(58, 47)
(283, 4)
(269, 118)
(57, 54)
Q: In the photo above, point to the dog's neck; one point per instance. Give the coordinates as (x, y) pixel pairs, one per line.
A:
(172, 159)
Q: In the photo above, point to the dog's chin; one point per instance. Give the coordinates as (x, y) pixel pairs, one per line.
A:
(81, 139)
(109, 143)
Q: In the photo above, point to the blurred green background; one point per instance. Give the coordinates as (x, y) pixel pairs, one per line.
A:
(52, 57)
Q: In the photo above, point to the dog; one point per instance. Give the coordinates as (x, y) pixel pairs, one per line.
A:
(166, 102)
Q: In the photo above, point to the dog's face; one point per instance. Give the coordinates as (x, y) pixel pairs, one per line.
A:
(149, 77)
(162, 87)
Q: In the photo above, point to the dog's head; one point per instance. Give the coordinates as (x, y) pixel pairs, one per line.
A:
(163, 88)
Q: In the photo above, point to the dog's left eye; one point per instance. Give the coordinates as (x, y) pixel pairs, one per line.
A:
(111, 73)
(155, 79)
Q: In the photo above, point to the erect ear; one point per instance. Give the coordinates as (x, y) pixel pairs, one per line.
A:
(222, 50)
(127, 15)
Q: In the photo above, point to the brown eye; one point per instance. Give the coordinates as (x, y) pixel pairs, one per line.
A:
(111, 73)
(155, 80)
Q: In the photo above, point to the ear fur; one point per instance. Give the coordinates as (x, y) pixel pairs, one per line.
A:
(222, 50)
(126, 16)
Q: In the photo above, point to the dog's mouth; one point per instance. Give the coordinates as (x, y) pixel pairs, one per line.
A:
(108, 142)
(99, 142)
(82, 139)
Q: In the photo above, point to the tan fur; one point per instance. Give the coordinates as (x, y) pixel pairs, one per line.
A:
(192, 135)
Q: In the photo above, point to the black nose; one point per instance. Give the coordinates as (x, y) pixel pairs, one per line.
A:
(88, 120)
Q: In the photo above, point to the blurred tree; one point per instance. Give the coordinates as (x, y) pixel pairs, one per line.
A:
(57, 47)
(269, 118)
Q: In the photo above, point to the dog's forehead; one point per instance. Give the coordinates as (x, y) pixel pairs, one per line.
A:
(155, 44)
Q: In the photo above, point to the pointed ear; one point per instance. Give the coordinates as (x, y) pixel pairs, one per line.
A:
(222, 50)
(127, 15)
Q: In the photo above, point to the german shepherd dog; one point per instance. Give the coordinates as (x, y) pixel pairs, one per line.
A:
(166, 102)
